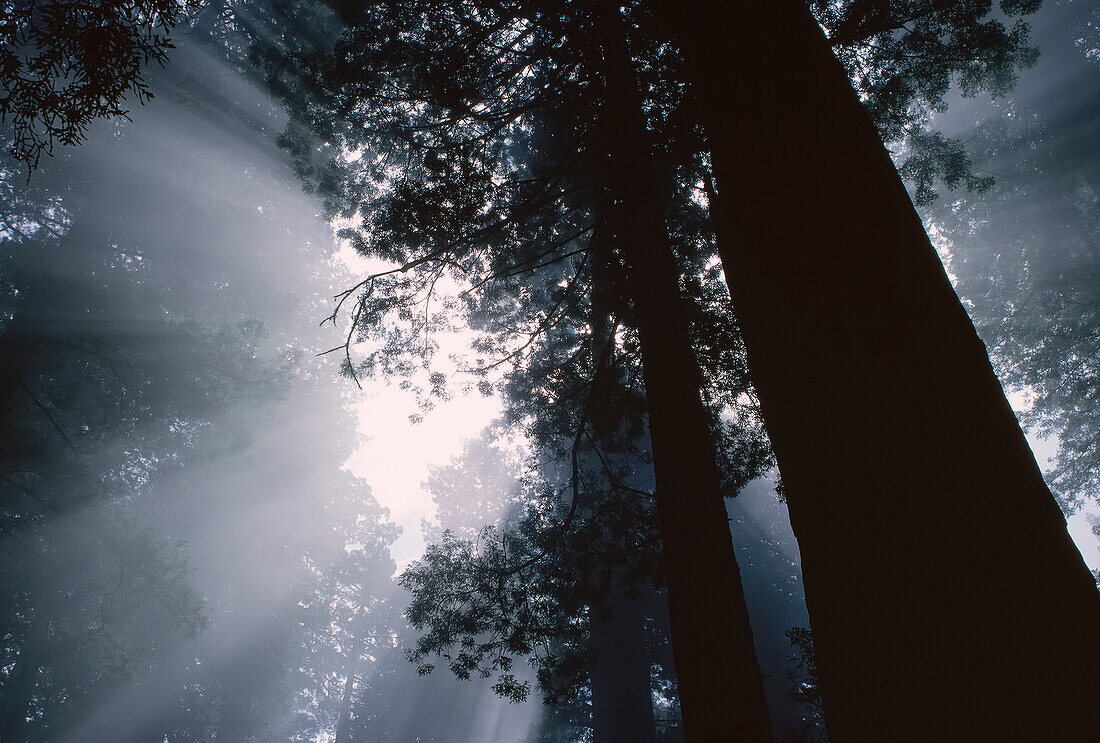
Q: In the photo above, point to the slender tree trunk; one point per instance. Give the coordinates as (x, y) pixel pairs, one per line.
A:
(721, 693)
(947, 601)
(622, 705)
(343, 725)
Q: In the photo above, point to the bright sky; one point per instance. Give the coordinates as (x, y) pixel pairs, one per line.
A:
(395, 454)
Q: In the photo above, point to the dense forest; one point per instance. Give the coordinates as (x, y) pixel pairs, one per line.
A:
(549, 371)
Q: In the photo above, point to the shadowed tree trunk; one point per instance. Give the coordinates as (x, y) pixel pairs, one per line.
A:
(622, 705)
(721, 693)
(947, 601)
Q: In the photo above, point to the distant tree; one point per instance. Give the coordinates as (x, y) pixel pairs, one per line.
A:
(301, 602)
(539, 587)
(358, 618)
(477, 487)
(138, 354)
(91, 593)
(84, 612)
(107, 388)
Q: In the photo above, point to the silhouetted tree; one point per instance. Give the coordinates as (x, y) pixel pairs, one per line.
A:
(449, 241)
(924, 486)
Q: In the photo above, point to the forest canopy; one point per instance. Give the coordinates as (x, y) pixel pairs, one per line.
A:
(681, 251)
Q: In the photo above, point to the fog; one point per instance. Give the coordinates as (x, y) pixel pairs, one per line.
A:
(190, 263)
(205, 521)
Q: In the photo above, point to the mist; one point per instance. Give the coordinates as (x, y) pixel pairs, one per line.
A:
(235, 511)
(187, 273)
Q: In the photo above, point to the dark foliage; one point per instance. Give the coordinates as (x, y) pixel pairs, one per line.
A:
(66, 63)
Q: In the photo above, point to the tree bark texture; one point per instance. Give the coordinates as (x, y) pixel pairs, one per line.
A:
(721, 693)
(947, 600)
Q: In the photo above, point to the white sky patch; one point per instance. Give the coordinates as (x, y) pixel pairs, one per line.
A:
(1080, 527)
(394, 454)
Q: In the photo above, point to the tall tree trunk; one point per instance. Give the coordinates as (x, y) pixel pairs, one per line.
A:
(622, 702)
(947, 601)
(721, 693)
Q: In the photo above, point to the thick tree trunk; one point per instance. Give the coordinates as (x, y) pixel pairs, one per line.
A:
(947, 601)
(721, 693)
